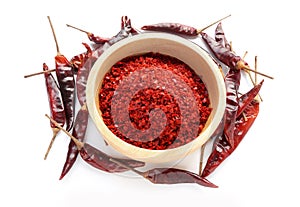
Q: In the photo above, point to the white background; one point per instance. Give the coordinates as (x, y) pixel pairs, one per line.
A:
(264, 170)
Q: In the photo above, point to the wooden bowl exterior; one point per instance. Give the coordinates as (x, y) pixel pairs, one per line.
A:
(174, 46)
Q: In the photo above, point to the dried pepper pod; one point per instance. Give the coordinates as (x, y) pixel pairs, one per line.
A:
(247, 98)
(179, 29)
(78, 61)
(174, 28)
(93, 38)
(176, 176)
(228, 57)
(97, 39)
(220, 36)
(232, 83)
(169, 175)
(222, 149)
(102, 161)
(222, 53)
(126, 25)
(126, 31)
(55, 104)
(79, 130)
(83, 70)
(81, 79)
(65, 78)
(66, 82)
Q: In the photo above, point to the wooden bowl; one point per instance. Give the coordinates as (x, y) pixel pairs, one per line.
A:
(174, 46)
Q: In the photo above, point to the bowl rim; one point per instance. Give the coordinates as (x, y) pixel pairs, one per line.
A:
(92, 93)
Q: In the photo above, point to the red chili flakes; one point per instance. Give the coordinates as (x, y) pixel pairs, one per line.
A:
(154, 101)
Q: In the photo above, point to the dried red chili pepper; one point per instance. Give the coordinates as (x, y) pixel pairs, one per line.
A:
(246, 98)
(222, 53)
(97, 158)
(228, 57)
(222, 149)
(91, 36)
(66, 82)
(175, 176)
(83, 73)
(126, 31)
(169, 175)
(102, 161)
(232, 83)
(126, 25)
(97, 39)
(79, 130)
(177, 28)
(81, 79)
(78, 61)
(55, 103)
(220, 36)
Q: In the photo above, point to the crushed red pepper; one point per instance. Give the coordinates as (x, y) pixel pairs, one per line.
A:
(154, 101)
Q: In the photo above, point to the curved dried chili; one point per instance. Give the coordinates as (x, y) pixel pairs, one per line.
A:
(232, 83)
(55, 103)
(175, 28)
(102, 161)
(179, 29)
(247, 98)
(55, 98)
(78, 61)
(66, 82)
(168, 175)
(225, 55)
(220, 36)
(79, 130)
(176, 176)
(222, 149)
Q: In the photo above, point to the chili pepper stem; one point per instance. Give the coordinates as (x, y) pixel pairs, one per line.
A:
(39, 73)
(128, 167)
(54, 36)
(201, 158)
(255, 68)
(81, 30)
(78, 143)
(245, 54)
(254, 82)
(230, 44)
(55, 132)
(241, 66)
(204, 28)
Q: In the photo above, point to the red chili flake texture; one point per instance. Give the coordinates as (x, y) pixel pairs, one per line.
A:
(154, 107)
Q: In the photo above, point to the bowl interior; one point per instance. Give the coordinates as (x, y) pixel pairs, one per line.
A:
(174, 46)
